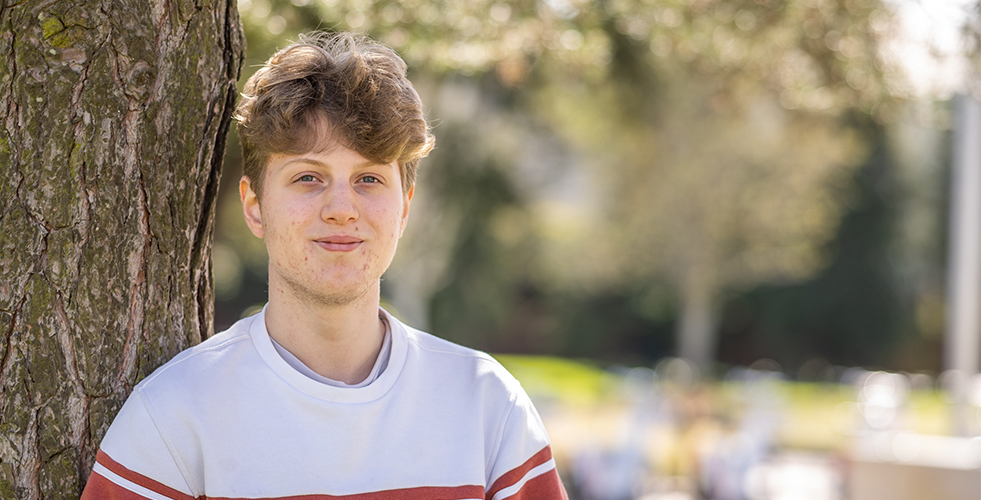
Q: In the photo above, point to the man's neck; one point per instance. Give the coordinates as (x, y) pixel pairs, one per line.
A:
(340, 342)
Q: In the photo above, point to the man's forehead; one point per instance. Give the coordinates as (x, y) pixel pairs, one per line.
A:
(327, 156)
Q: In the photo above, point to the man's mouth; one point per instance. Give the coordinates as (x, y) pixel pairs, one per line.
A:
(339, 243)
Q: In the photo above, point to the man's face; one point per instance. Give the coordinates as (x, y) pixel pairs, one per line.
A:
(331, 221)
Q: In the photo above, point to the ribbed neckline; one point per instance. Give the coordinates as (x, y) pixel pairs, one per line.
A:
(380, 361)
(376, 389)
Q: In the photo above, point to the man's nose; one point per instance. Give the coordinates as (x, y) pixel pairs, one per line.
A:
(339, 204)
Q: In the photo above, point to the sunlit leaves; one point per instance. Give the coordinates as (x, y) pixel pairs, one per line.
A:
(821, 54)
(718, 181)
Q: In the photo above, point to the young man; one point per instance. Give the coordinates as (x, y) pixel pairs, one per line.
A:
(324, 395)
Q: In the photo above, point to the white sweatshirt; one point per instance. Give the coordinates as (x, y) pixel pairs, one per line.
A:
(231, 419)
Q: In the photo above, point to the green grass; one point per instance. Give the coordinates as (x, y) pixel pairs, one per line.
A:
(811, 415)
(565, 381)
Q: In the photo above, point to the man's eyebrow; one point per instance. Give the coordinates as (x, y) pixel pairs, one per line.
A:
(306, 160)
(313, 161)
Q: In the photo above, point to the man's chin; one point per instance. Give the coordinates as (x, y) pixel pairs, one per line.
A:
(333, 297)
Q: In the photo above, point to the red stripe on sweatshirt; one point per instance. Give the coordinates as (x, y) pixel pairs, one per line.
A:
(418, 493)
(513, 476)
(99, 488)
(133, 477)
(546, 486)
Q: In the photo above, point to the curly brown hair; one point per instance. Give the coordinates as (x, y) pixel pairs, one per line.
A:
(352, 84)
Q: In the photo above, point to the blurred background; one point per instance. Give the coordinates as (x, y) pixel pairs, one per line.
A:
(730, 247)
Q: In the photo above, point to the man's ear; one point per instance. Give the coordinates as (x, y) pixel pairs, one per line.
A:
(250, 207)
(405, 210)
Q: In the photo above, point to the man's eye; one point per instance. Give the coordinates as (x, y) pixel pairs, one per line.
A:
(371, 179)
(306, 178)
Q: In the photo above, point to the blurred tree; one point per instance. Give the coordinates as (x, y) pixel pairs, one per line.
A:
(853, 312)
(114, 117)
(724, 121)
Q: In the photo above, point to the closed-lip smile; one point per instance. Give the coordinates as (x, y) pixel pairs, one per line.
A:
(340, 243)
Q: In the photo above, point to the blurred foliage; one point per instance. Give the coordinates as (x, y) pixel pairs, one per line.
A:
(602, 166)
(715, 188)
(861, 286)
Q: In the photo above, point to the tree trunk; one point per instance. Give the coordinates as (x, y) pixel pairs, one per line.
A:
(696, 333)
(114, 116)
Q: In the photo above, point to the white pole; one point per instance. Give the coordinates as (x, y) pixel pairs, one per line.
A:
(963, 327)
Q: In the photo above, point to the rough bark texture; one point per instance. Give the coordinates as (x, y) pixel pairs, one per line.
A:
(114, 115)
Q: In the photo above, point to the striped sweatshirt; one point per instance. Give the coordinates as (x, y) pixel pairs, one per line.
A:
(231, 419)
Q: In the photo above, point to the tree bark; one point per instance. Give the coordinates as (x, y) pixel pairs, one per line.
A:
(114, 115)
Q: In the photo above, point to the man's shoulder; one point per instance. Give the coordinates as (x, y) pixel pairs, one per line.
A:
(446, 357)
(203, 359)
(436, 347)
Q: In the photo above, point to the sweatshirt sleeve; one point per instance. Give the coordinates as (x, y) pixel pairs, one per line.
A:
(134, 460)
(523, 467)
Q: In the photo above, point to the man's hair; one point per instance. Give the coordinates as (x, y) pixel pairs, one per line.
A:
(353, 85)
